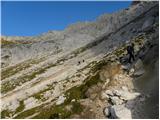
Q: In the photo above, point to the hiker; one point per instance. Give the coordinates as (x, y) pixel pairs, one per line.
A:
(79, 62)
(130, 50)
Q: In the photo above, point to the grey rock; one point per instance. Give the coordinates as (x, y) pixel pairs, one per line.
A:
(60, 100)
(116, 100)
(139, 68)
(120, 112)
(125, 95)
(139, 72)
(138, 65)
(148, 23)
(126, 66)
(117, 96)
(106, 111)
(131, 71)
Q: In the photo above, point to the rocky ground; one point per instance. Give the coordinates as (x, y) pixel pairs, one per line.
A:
(87, 76)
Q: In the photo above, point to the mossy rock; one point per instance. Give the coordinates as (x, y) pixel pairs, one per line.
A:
(98, 66)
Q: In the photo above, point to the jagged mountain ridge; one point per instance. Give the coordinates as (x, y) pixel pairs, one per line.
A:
(74, 36)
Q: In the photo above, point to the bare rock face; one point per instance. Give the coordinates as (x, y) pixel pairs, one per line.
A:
(74, 36)
(30, 102)
(120, 112)
(5, 57)
(148, 23)
(139, 68)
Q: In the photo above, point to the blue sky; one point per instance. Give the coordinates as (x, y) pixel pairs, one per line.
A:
(33, 18)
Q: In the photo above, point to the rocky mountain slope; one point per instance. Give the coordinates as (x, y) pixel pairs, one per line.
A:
(80, 72)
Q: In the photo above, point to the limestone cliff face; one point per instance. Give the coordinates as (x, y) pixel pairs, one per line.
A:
(62, 67)
(74, 36)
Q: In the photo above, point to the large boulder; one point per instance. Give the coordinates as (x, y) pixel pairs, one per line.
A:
(138, 64)
(120, 112)
(125, 95)
(139, 68)
(126, 67)
(116, 100)
(117, 96)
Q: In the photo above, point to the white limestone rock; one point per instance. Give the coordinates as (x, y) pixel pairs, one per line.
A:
(30, 102)
(120, 112)
(125, 95)
(116, 101)
(106, 111)
(60, 100)
(13, 105)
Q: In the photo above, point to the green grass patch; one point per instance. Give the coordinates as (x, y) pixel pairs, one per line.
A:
(119, 52)
(39, 95)
(78, 92)
(21, 107)
(60, 111)
(88, 66)
(7, 86)
(98, 66)
(19, 67)
(5, 113)
(27, 113)
(76, 107)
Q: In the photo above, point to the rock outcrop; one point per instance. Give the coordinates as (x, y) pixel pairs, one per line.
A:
(120, 112)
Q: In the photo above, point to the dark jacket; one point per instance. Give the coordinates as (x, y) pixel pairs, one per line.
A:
(130, 50)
